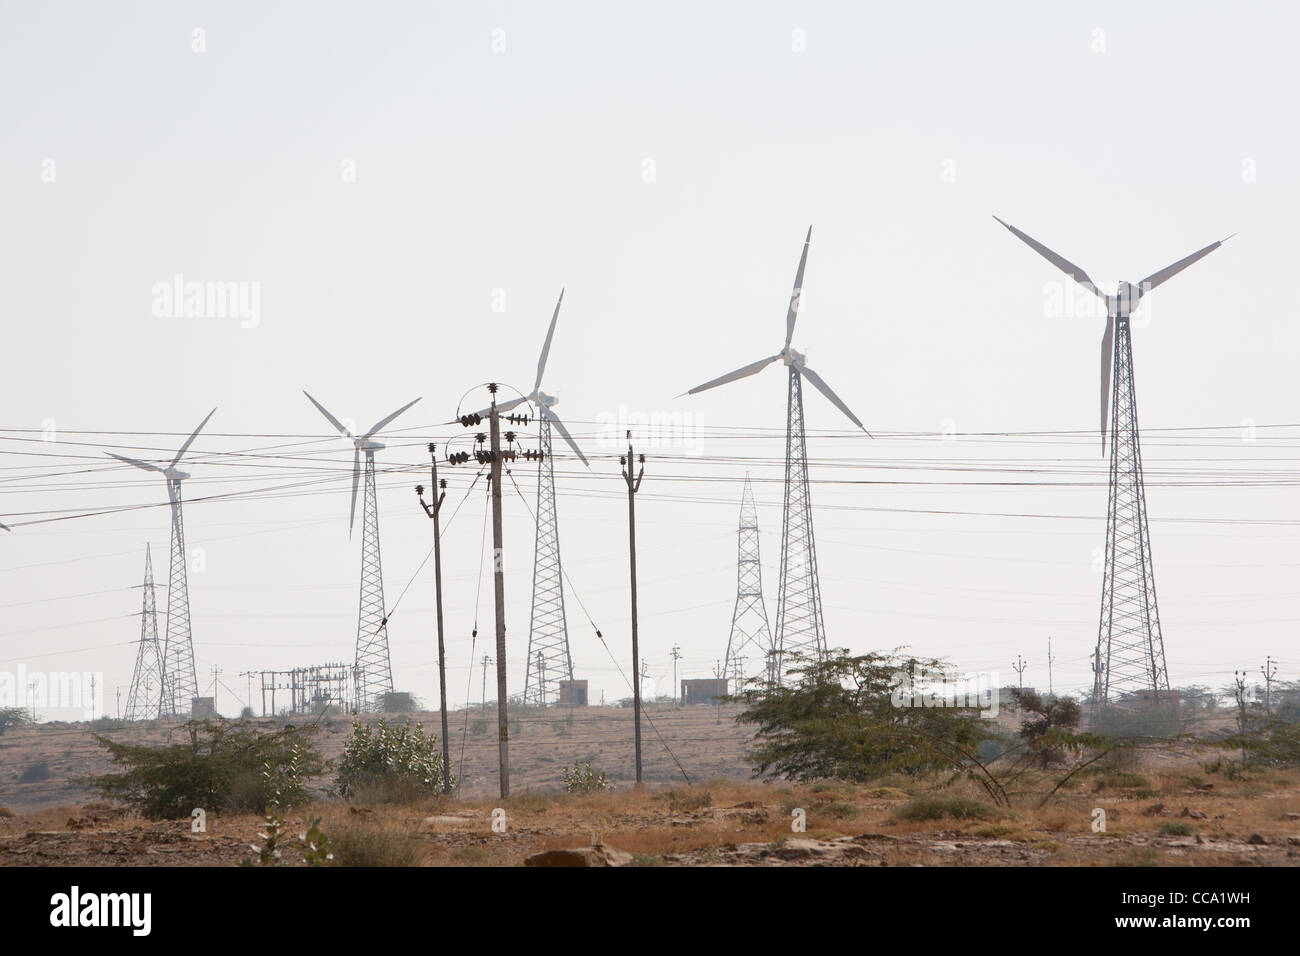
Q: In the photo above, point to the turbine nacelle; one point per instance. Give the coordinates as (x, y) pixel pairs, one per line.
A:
(1118, 306)
(360, 444)
(1125, 300)
(544, 399)
(788, 356)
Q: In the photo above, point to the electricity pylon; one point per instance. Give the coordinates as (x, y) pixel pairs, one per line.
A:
(749, 626)
(180, 684)
(1130, 654)
(799, 624)
(147, 678)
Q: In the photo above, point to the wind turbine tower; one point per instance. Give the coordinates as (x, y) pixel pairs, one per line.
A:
(1130, 653)
(179, 684)
(751, 637)
(373, 669)
(147, 678)
(799, 624)
(548, 662)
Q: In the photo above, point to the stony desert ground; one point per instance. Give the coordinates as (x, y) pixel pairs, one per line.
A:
(1167, 811)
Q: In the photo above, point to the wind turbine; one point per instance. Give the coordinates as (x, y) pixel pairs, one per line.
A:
(799, 624)
(374, 671)
(549, 661)
(180, 684)
(1130, 655)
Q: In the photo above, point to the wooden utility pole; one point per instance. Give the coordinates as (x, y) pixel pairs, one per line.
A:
(499, 586)
(633, 485)
(433, 511)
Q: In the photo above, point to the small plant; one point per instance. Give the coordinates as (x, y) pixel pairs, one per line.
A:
(391, 762)
(581, 778)
(1176, 828)
(285, 787)
(938, 808)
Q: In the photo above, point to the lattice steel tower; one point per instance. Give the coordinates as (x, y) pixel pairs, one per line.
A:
(1130, 653)
(799, 624)
(147, 679)
(548, 662)
(373, 667)
(751, 637)
(180, 684)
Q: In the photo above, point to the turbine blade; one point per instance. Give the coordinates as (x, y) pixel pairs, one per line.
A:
(558, 425)
(1168, 272)
(825, 389)
(546, 346)
(5, 527)
(502, 408)
(1107, 355)
(189, 441)
(131, 461)
(333, 421)
(795, 295)
(1062, 263)
(384, 421)
(737, 374)
(356, 475)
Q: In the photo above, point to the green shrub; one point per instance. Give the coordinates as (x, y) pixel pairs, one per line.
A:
(920, 809)
(1175, 828)
(581, 778)
(391, 763)
(222, 765)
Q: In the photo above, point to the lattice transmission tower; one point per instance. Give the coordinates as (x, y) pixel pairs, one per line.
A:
(751, 636)
(147, 679)
(1130, 656)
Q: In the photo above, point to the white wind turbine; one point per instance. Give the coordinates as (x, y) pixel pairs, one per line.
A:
(799, 624)
(180, 684)
(373, 672)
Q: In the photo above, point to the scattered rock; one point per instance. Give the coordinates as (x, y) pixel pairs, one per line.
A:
(1156, 809)
(1289, 816)
(1256, 840)
(5, 812)
(595, 855)
(1194, 814)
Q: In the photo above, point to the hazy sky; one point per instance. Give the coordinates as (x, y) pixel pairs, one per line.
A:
(407, 186)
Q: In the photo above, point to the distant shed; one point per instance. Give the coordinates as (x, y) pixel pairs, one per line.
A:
(704, 690)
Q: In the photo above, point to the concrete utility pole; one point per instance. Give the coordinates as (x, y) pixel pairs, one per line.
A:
(1050, 659)
(499, 588)
(634, 485)
(1269, 670)
(677, 655)
(1019, 667)
(440, 490)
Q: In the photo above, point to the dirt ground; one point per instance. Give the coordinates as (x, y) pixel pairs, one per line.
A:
(1167, 812)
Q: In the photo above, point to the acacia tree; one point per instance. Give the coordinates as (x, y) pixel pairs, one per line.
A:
(841, 717)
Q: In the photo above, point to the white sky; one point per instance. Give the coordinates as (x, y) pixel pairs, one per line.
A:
(896, 134)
